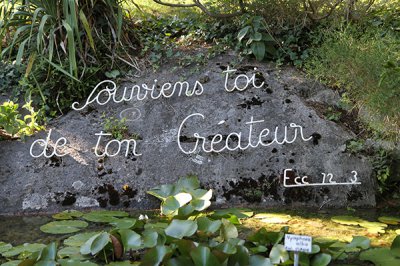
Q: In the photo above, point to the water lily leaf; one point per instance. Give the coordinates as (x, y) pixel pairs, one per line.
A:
(12, 263)
(202, 256)
(63, 227)
(227, 248)
(162, 192)
(228, 230)
(398, 231)
(188, 183)
(321, 259)
(79, 239)
(48, 253)
(259, 249)
(43, 263)
(200, 205)
(208, 225)
(202, 194)
(238, 212)
(185, 246)
(5, 247)
(181, 228)
(170, 206)
(156, 255)
(257, 260)
(65, 262)
(389, 220)
(67, 215)
(186, 210)
(359, 242)
(70, 252)
(28, 248)
(380, 257)
(241, 257)
(273, 218)
(104, 216)
(95, 244)
(374, 227)
(130, 239)
(395, 247)
(179, 261)
(347, 220)
(125, 223)
(278, 254)
(149, 238)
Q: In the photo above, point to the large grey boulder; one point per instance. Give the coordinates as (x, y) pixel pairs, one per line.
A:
(254, 176)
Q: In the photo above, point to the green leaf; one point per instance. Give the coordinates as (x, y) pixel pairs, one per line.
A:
(359, 242)
(240, 258)
(242, 33)
(258, 49)
(95, 244)
(273, 218)
(79, 239)
(170, 206)
(4, 247)
(278, 254)
(180, 261)
(162, 192)
(48, 253)
(125, 223)
(25, 248)
(202, 256)
(86, 26)
(228, 230)
(207, 225)
(156, 255)
(149, 238)
(389, 220)
(67, 215)
(12, 263)
(181, 228)
(200, 205)
(321, 259)
(75, 263)
(257, 36)
(188, 183)
(63, 227)
(380, 257)
(130, 239)
(257, 260)
(104, 216)
(395, 247)
(70, 252)
(346, 220)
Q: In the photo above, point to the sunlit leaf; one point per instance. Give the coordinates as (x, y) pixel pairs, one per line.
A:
(181, 228)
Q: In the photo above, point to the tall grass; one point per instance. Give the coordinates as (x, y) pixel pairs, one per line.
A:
(366, 64)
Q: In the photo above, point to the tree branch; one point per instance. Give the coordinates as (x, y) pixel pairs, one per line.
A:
(174, 5)
(198, 4)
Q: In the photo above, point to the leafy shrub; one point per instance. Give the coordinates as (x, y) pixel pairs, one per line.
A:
(12, 124)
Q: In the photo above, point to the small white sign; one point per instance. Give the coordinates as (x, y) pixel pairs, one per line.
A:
(298, 243)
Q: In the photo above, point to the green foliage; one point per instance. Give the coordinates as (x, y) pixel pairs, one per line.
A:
(199, 239)
(255, 38)
(117, 128)
(344, 60)
(11, 122)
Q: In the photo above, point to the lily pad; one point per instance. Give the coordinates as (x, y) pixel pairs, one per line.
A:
(95, 244)
(273, 218)
(359, 242)
(4, 247)
(63, 227)
(347, 220)
(395, 247)
(181, 228)
(398, 231)
(71, 253)
(26, 248)
(125, 223)
(79, 239)
(12, 263)
(278, 254)
(104, 216)
(374, 227)
(67, 215)
(380, 256)
(389, 220)
(66, 262)
(321, 259)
